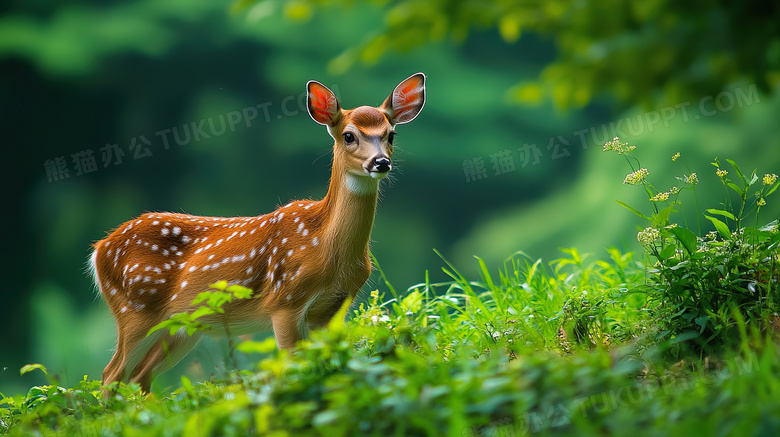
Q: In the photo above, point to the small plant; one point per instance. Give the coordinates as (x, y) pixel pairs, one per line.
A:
(700, 281)
(211, 303)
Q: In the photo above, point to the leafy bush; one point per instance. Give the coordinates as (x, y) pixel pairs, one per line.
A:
(700, 282)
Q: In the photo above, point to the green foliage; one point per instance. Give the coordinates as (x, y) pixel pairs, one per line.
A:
(212, 302)
(633, 51)
(551, 349)
(568, 305)
(705, 283)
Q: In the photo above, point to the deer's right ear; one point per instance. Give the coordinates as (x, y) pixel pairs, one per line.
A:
(323, 105)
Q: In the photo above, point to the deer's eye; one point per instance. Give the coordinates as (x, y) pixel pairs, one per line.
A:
(349, 137)
(390, 138)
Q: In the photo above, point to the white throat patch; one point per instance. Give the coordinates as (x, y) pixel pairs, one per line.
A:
(361, 184)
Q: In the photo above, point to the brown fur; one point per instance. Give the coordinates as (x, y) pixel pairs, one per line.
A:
(302, 261)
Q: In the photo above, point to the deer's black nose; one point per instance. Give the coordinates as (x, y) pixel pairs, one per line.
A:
(381, 164)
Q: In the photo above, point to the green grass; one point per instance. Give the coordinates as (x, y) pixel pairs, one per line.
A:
(559, 349)
(680, 340)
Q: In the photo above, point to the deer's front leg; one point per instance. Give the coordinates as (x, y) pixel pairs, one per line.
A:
(289, 327)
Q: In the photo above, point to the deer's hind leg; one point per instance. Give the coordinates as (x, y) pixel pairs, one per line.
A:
(165, 352)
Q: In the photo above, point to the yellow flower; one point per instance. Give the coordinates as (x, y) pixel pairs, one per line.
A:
(761, 202)
(770, 179)
(676, 155)
(610, 145)
(648, 236)
(636, 177)
(660, 197)
(721, 173)
(617, 146)
(692, 179)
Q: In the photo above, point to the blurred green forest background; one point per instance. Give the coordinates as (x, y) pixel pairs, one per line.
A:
(505, 157)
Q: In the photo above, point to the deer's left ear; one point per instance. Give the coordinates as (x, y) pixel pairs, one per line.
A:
(406, 101)
(322, 104)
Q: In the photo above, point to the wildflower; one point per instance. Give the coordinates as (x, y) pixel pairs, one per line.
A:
(676, 155)
(660, 197)
(636, 177)
(712, 235)
(721, 173)
(692, 179)
(770, 179)
(610, 145)
(617, 146)
(648, 236)
(674, 190)
(761, 202)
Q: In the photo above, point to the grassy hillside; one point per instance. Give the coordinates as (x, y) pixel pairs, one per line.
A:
(678, 340)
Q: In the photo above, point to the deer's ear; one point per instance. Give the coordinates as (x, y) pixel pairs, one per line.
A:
(406, 101)
(323, 105)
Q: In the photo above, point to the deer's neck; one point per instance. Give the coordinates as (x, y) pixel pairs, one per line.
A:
(350, 206)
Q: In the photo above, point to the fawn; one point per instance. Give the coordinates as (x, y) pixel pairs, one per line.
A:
(301, 261)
